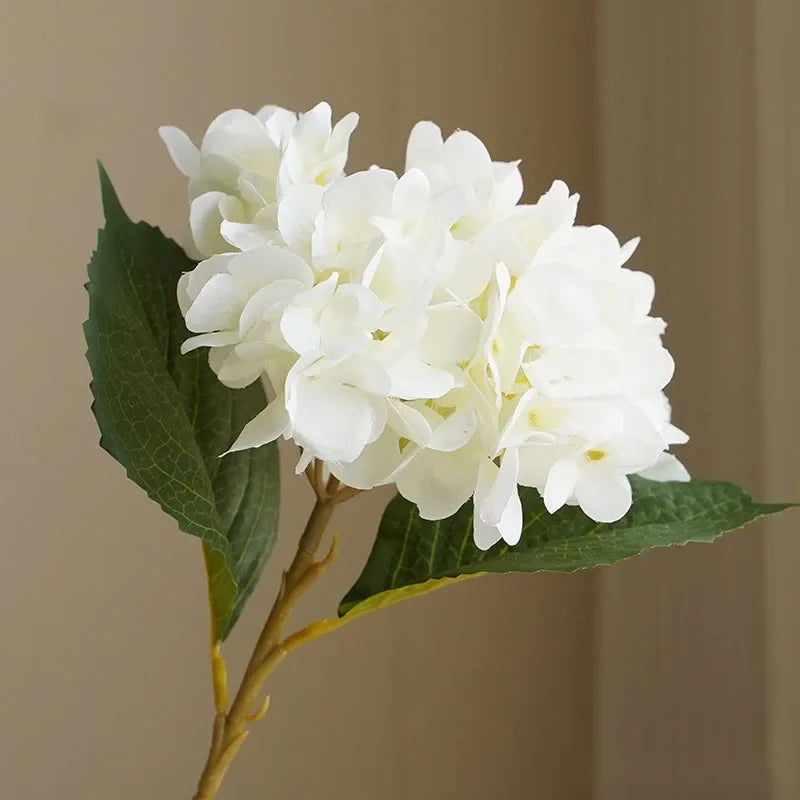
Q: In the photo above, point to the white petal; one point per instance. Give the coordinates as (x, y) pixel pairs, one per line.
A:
(439, 483)
(465, 270)
(300, 328)
(342, 131)
(315, 124)
(182, 151)
(409, 423)
(424, 144)
(362, 372)
(351, 203)
(466, 155)
(244, 365)
(411, 194)
(300, 321)
(306, 457)
(452, 336)
(205, 221)
(217, 306)
(379, 414)
(335, 422)
(535, 462)
(348, 319)
(509, 185)
(592, 250)
(510, 525)
(402, 278)
(401, 341)
(558, 301)
(484, 535)
(667, 468)
(376, 464)
(254, 188)
(191, 283)
(218, 172)
(604, 495)
(455, 431)
(674, 435)
(496, 306)
(412, 378)
(297, 211)
(182, 291)
(496, 486)
(561, 482)
(240, 135)
(631, 296)
(278, 122)
(246, 236)
(268, 303)
(218, 339)
(269, 263)
(263, 428)
(450, 205)
(629, 248)
(651, 367)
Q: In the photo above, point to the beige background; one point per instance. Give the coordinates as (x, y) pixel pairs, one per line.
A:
(671, 676)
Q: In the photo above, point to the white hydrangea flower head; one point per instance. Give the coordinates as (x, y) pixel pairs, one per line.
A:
(430, 330)
(463, 160)
(244, 165)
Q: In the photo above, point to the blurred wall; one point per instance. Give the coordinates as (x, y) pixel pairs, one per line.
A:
(698, 648)
(777, 79)
(484, 690)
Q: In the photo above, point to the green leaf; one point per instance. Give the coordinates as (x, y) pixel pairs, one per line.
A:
(412, 555)
(166, 418)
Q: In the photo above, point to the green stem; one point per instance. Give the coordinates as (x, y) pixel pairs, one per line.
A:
(230, 729)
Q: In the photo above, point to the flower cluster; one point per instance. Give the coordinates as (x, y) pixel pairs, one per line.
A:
(426, 330)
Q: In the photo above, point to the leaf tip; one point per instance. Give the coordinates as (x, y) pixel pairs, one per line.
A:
(111, 203)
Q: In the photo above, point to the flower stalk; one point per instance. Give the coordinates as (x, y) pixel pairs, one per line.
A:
(231, 725)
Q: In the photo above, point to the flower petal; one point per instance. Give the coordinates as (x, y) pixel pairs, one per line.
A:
(218, 339)
(269, 263)
(452, 335)
(216, 307)
(376, 464)
(439, 483)
(263, 428)
(409, 423)
(181, 149)
(424, 144)
(455, 431)
(604, 495)
(412, 378)
(561, 481)
(342, 131)
(205, 219)
(484, 535)
(465, 270)
(268, 304)
(333, 421)
(510, 525)
(297, 211)
(246, 236)
(496, 486)
(667, 468)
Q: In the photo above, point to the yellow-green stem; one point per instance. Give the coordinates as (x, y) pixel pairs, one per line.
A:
(230, 729)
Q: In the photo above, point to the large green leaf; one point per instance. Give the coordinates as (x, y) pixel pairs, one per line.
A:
(412, 555)
(166, 418)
